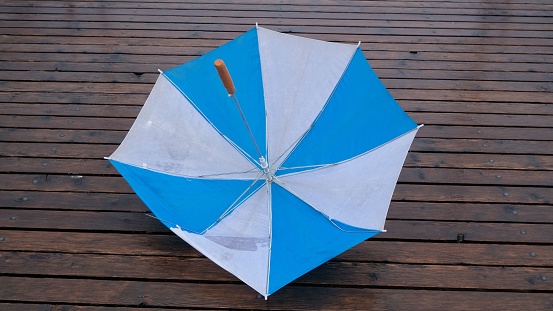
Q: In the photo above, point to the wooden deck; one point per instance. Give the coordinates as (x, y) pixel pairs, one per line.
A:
(471, 222)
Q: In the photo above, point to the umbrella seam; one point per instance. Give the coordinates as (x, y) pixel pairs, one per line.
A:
(270, 224)
(187, 176)
(322, 166)
(227, 212)
(240, 150)
(283, 185)
(301, 138)
(236, 203)
(257, 27)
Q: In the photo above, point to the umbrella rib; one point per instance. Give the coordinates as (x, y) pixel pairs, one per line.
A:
(240, 150)
(162, 220)
(188, 176)
(224, 174)
(363, 230)
(321, 166)
(298, 141)
(239, 200)
(235, 99)
(306, 166)
(270, 227)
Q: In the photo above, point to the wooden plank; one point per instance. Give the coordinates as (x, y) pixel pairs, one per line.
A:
(435, 18)
(430, 276)
(375, 30)
(64, 183)
(408, 3)
(428, 131)
(397, 68)
(484, 132)
(59, 115)
(483, 146)
(414, 159)
(114, 111)
(482, 194)
(398, 55)
(469, 9)
(87, 221)
(131, 110)
(55, 149)
(501, 193)
(423, 43)
(397, 229)
(415, 36)
(72, 201)
(330, 273)
(427, 4)
(480, 107)
(98, 151)
(97, 243)
(146, 73)
(53, 122)
(344, 36)
(468, 232)
(57, 166)
(506, 120)
(63, 307)
(73, 98)
(476, 177)
(373, 250)
(133, 293)
(449, 253)
(488, 212)
(394, 84)
(18, 135)
(365, 21)
(71, 129)
(50, 76)
(110, 88)
(437, 122)
(103, 202)
(439, 57)
(469, 95)
(399, 94)
(463, 176)
(484, 161)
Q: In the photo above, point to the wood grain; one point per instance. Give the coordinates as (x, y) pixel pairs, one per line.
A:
(469, 226)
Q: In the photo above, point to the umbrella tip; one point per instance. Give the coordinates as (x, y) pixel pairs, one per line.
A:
(256, 25)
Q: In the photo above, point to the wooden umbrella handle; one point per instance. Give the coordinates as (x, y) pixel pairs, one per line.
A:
(225, 76)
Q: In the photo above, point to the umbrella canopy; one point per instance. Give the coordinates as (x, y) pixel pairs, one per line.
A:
(296, 167)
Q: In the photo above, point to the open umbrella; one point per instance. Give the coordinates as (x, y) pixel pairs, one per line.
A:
(290, 165)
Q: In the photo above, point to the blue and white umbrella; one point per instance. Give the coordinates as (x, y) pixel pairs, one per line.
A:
(295, 167)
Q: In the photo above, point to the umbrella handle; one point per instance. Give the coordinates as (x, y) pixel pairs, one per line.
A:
(225, 76)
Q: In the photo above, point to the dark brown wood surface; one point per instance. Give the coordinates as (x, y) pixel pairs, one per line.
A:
(470, 226)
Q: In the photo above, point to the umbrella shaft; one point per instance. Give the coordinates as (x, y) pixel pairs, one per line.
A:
(247, 126)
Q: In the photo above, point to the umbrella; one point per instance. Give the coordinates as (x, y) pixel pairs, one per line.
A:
(291, 163)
